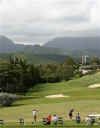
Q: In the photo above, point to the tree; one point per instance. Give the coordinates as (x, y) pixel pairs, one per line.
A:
(69, 61)
(18, 76)
(95, 61)
(68, 69)
(49, 73)
(67, 72)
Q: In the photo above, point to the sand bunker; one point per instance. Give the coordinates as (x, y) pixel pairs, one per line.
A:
(56, 96)
(94, 86)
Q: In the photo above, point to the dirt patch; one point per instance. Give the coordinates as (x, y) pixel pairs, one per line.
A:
(94, 86)
(56, 96)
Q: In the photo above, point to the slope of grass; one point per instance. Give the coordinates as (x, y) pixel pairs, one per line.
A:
(76, 87)
(81, 98)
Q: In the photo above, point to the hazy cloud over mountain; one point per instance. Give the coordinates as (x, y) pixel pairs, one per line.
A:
(37, 21)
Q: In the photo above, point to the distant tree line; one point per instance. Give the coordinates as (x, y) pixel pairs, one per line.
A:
(57, 72)
(17, 76)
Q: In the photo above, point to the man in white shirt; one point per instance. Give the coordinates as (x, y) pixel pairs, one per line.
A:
(54, 118)
(34, 114)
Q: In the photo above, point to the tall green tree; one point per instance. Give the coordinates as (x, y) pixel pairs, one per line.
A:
(18, 76)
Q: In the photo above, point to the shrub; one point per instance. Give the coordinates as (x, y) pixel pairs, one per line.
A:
(7, 99)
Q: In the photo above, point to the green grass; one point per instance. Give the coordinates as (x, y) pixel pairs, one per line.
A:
(81, 98)
(66, 124)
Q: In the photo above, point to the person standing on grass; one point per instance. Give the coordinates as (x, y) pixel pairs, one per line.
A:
(48, 120)
(54, 118)
(71, 113)
(78, 119)
(35, 114)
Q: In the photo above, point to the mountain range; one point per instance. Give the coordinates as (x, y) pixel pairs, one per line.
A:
(56, 50)
(8, 46)
(34, 54)
(75, 43)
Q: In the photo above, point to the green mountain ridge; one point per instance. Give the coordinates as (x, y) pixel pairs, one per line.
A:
(44, 54)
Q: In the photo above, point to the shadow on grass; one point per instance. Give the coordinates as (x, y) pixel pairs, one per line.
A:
(20, 101)
(13, 105)
(28, 97)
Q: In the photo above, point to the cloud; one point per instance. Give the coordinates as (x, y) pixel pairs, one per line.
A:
(38, 21)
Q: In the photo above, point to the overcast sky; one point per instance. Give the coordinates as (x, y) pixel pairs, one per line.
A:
(37, 21)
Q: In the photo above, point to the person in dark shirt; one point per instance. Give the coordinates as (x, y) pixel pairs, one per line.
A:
(78, 119)
(71, 113)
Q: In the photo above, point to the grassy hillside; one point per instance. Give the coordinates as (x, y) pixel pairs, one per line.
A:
(81, 98)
